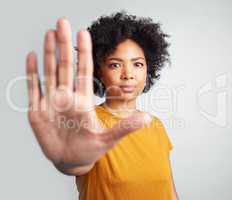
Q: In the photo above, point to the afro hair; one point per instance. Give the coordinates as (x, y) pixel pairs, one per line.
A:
(108, 31)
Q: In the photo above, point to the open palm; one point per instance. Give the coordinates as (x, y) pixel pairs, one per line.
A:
(63, 117)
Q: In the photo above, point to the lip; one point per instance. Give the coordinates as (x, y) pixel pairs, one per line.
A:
(127, 88)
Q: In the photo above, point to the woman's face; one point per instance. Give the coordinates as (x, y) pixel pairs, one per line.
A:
(126, 66)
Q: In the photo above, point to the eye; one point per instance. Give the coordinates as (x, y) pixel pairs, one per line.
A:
(139, 64)
(114, 65)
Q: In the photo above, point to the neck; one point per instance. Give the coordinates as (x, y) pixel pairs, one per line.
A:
(121, 108)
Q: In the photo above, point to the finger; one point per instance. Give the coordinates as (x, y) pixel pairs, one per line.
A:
(33, 83)
(50, 61)
(84, 83)
(64, 39)
(125, 127)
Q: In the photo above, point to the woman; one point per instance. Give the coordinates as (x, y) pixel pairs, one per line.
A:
(114, 150)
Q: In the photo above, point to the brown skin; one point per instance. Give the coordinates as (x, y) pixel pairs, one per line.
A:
(74, 151)
(126, 65)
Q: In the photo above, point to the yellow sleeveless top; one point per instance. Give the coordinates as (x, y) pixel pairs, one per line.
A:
(136, 168)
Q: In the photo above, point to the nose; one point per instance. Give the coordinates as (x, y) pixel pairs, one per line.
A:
(127, 72)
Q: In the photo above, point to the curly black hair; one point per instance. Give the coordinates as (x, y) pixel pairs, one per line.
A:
(108, 31)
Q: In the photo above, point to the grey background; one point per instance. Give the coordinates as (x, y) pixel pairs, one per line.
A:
(193, 97)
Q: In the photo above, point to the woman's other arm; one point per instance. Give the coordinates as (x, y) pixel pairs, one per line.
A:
(174, 192)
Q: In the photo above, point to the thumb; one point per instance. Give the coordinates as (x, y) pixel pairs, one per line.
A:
(124, 127)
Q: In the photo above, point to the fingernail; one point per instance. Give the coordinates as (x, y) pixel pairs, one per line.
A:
(147, 118)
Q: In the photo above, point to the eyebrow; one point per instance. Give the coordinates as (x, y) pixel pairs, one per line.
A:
(118, 59)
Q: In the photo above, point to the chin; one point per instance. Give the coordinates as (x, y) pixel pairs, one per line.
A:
(124, 96)
(129, 96)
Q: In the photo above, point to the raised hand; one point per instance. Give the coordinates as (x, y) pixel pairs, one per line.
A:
(63, 117)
